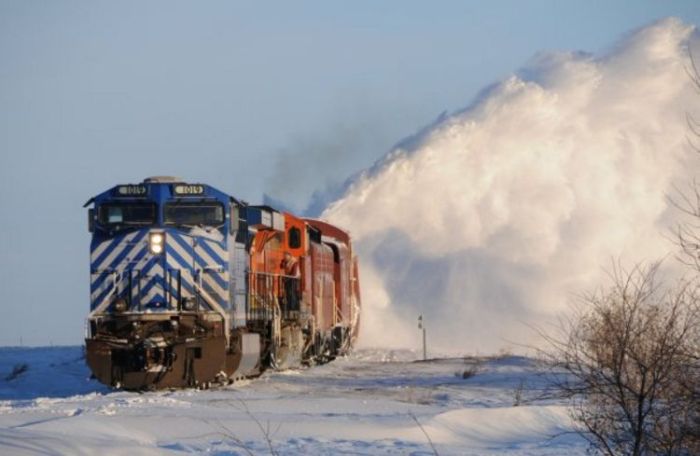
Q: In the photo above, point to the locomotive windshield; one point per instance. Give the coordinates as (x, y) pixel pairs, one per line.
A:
(127, 214)
(207, 214)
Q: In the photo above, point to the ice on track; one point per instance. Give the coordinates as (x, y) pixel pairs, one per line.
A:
(367, 403)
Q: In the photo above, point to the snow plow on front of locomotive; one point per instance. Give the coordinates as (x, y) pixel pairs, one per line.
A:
(160, 299)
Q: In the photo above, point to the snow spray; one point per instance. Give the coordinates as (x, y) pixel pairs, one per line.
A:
(494, 217)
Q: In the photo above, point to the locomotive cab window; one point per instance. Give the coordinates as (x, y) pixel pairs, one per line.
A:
(294, 238)
(193, 214)
(127, 214)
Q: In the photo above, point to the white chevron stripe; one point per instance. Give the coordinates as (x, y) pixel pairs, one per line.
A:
(180, 251)
(143, 261)
(93, 256)
(156, 271)
(208, 260)
(208, 280)
(123, 283)
(170, 287)
(218, 250)
(185, 276)
(97, 305)
(104, 286)
(210, 284)
(93, 279)
(156, 290)
(173, 302)
(106, 283)
(101, 247)
(171, 263)
(119, 269)
(123, 244)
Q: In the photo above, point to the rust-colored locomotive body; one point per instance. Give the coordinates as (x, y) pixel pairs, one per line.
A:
(191, 286)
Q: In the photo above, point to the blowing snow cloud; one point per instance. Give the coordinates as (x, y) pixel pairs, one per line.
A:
(494, 217)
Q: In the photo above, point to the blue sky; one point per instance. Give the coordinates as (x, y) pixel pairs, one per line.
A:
(284, 98)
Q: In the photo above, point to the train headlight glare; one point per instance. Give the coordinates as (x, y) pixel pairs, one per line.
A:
(155, 243)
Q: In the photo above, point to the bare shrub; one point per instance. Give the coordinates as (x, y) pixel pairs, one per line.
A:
(631, 367)
(266, 430)
(470, 369)
(425, 433)
(518, 393)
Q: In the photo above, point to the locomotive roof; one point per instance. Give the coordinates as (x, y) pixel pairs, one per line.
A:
(172, 186)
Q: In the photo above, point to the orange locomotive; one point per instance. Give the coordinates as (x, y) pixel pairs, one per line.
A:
(310, 271)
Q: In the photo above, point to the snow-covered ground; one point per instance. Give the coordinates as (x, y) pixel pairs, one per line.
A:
(369, 403)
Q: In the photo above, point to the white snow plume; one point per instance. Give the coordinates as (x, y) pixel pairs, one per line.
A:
(495, 217)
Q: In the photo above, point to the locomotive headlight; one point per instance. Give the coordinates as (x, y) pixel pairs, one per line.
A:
(156, 242)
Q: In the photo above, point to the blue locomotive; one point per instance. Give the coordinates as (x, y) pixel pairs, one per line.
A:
(190, 286)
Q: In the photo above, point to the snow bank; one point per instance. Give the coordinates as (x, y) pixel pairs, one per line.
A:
(51, 371)
(499, 427)
(494, 216)
(363, 404)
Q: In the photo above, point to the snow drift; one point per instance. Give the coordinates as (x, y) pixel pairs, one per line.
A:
(492, 217)
(370, 402)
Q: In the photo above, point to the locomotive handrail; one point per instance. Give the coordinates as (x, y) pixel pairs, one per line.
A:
(273, 274)
(105, 303)
(169, 292)
(263, 296)
(266, 292)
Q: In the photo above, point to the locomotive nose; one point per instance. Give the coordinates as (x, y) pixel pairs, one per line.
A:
(153, 287)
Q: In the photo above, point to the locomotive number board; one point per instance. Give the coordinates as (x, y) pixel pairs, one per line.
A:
(131, 190)
(188, 189)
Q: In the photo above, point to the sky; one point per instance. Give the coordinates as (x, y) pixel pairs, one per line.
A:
(280, 99)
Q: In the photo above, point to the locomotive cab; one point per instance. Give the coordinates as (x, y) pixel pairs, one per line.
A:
(147, 237)
(159, 290)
